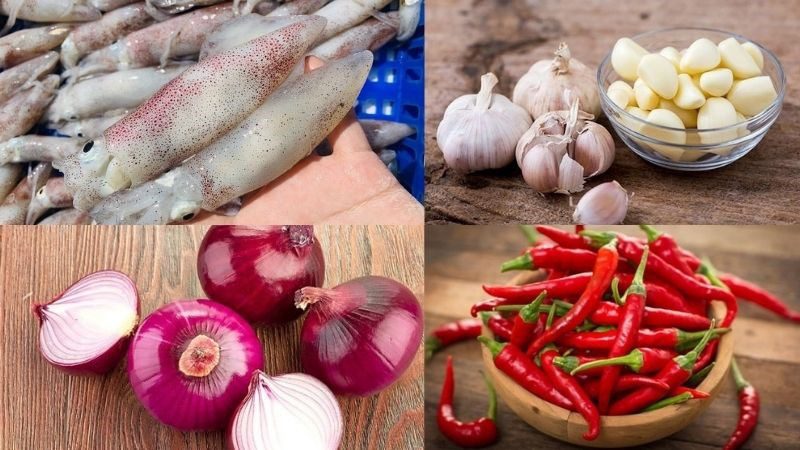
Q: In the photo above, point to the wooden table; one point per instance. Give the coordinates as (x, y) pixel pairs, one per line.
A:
(43, 408)
(466, 38)
(459, 259)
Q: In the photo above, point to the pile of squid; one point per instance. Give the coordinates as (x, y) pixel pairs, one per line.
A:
(166, 107)
(620, 325)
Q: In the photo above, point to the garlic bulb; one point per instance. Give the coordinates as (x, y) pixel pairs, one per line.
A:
(604, 204)
(481, 131)
(553, 85)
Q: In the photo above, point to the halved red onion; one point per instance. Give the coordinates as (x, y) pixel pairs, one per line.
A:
(190, 363)
(359, 337)
(256, 270)
(86, 329)
(291, 411)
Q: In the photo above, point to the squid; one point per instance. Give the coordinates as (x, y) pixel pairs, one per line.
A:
(187, 114)
(10, 175)
(22, 111)
(179, 6)
(95, 35)
(177, 37)
(118, 91)
(48, 11)
(15, 79)
(14, 208)
(53, 195)
(241, 30)
(278, 135)
(68, 216)
(38, 148)
(29, 43)
(109, 5)
(371, 35)
(383, 133)
(88, 128)
(296, 7)
(410, 11)
(344, 14)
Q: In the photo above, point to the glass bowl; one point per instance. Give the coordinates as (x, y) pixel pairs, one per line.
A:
(704, 149)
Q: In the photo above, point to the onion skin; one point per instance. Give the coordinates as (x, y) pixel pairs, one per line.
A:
(110, 358)
(362, 335)
(256, 270)
(192, 403)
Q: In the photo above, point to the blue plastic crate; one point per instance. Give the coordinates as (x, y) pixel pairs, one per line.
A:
(395, 90)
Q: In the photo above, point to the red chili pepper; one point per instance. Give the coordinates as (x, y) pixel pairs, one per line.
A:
(658, 295)
(500, 327)
(706, 356)
(553, 274)
(678, 390)
(749, 405)
(674, 373)
(625, 383)
(512, 362)
(486, 305)
(564, 238)
(604, 269)
(579, 228)
(526, 323)
(570, 286)
(665, 246)
(639, 360)
(570, 388)
(690, 259)
(477, 433)
(755, 294)
(561, 258)
(450, 333)
(669, 338)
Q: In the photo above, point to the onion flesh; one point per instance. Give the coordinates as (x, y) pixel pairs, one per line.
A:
(256, 270)
(359, 337)
(86, 329)
(190, 363)
(291, 411)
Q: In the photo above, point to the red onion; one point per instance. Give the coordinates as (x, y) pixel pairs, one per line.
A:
(190, 363)
(292, 411)
(256, 270)
(360, 336)
(86, 328)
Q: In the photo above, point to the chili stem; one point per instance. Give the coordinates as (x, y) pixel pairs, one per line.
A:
(530, 233)
(680, 398)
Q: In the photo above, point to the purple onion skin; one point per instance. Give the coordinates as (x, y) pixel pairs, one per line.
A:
(257, 270)
(181, 401)
(361, 346)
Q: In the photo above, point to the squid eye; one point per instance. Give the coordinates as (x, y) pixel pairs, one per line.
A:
(41, 191)
(188, 217)
(88, 146)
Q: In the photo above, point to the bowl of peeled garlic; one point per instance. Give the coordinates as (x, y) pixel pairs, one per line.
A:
(691, 99)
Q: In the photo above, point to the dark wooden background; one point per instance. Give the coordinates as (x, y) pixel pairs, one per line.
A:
(43, 408)
(466, 38)
(458, 259)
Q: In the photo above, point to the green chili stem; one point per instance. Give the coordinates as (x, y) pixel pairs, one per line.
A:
(698, 377)
(652, 233)
(680, 398)
(492, 412)
(566, 363)
(530, 312)
(741, 382)
(633, 360)
(530, 233)
(687, 361)
(615, 292)
(494, 347)
(550, 316)
(522, 262)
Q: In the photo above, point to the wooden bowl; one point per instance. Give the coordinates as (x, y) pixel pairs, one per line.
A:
(615, 431)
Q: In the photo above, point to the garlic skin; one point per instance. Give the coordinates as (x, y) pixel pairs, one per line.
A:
(553, 85)
(541, 162)
(480, 131)
(604, 204)
(594, 149)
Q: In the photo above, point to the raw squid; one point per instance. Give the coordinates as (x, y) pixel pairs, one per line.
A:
(22, 111)
(53, 195)
(187, 114)
(383, 133)
(9, 177)
(118, 91)
(241, 30)
(179, 6)
(15, 78)
(262, 7)
(69, 216)
(48, 11)
(88, 128)
(38, 148)
(297, 7)
(370, 35)
(177, 37)
(410, 11)
(109, 5)
(280, 133)
(96, 35)
(344, 14)
(29, 43)
(15, 207)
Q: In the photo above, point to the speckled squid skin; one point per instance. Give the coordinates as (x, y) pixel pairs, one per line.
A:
(371, 35)
(187, 114)
(292, 8)
(15, 78)
(50, 10)
(343, 14)
(69, 216)
(38, 148)
(29, 43)
(92, 128)
(23, 110)
(241, 30)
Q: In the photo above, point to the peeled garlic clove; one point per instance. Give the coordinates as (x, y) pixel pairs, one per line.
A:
(717, 82)
(621, 93)
(753, 95)
(737, 59)
(688, 96)
(673, 55)
(594, 149)
(570, 176)
(701, 56)
(659, 74)
(755, 53)
(666, 118)
(625, 58)
(604, 204)
(687, 116)
(717, 113)
(646, 98)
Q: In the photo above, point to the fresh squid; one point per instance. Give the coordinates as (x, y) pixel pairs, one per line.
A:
(371, 35)
(29, 43)
(241, 30)
(296, 7)
(180, 6)
(344, 14)
(95, 35)
(69, 216)
(53, 195)
(410, 11)
(383, 133)
(177, 37)
(38, 148)
(187, 114)
(23, 110)
(109, 5)
(10, 175)
(18, 77)
(48, 11)
(279, 134)
(88, 128)
(117, 91)
(15, 207)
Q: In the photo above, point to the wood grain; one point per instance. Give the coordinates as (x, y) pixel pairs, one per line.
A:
(458, 259)
(466, 38)
(43, 408)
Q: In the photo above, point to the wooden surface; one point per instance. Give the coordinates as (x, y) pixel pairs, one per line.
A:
(459, 259)
(43, 408)
(466, 38)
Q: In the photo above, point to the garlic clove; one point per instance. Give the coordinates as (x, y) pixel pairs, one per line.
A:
(604, 204)
(594, 149)
(570, 176)
(539, 168)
